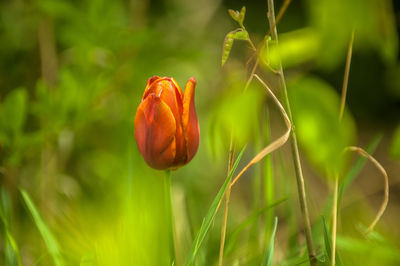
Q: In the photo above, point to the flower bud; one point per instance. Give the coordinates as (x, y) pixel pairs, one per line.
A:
(166, 125)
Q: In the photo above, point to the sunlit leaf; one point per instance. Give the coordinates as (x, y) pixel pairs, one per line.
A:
(315, 108)
(372, 20)
(236, 112)
(294, 48)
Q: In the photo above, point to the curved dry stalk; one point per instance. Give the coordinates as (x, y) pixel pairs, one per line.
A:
(378, 216)
(273, 145)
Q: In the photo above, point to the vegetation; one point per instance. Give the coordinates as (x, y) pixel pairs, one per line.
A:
(298, 106)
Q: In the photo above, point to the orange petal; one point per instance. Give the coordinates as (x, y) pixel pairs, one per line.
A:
(171, 94)
(150, 81)
(155, 129)
(189, 120)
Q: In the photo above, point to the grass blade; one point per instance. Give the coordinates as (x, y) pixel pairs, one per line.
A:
(48, 237)
(328, 244)
(207, 221)
(270, 251)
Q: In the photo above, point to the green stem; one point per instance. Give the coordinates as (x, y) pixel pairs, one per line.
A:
(170, 215)
(268, 179)
(294, 146)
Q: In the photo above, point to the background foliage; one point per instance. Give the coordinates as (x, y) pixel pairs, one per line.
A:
(74, 188)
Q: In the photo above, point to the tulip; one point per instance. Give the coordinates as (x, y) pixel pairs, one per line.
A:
(166, 125)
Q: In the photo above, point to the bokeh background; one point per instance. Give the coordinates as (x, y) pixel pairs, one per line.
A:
(72, 74)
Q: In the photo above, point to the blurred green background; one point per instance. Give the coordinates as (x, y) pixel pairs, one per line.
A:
(72, 74)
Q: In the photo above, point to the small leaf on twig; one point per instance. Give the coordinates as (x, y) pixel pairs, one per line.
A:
(237, 34)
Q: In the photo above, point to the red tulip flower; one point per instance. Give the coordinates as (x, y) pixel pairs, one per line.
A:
(166, 125)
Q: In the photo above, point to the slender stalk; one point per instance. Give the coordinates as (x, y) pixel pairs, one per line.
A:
(334, 219)
(227, 197)
(295, 149)
(341, 111)
(280, 14)
(346, 76)
(170, 215)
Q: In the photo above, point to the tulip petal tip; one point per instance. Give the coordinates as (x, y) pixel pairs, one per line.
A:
(193, 80)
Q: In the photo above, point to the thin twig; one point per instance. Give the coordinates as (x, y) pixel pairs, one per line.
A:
(295, 149)
(280, 14)
(381, 210)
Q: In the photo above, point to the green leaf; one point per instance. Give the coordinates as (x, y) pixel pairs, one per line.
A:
(328, 244)
(395, 146)
(205, 226)
(270, 251)
(226, 47)
(235, 112)
(237, 34)
(295, 47)
(241, 35)
(48, 237)
(335, 20)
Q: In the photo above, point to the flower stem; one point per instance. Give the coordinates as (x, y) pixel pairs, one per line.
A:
(295, 149)
(170, 215)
